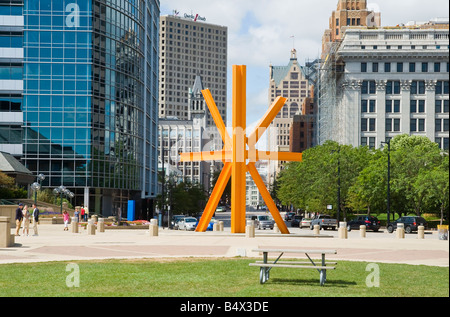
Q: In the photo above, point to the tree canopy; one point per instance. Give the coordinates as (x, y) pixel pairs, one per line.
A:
(419, 178)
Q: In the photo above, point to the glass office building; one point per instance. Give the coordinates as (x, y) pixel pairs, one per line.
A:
(90, 99)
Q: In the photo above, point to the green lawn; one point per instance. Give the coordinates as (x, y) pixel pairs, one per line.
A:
(215, 278)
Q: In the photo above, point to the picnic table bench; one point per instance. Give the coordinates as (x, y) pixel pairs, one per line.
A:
(266, 266)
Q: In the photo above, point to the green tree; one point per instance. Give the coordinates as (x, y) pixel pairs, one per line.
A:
(411, 156)
(314, 182)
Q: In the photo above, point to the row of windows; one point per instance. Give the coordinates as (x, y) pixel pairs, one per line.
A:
(425, 67)
(10, 103)
(11, 41)
(10, 10)
(393, 124)
(393, 87)
(10, 71)
(443, 143)
(393, 106)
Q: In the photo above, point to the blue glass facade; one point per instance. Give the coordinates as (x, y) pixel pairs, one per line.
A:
(89, 103)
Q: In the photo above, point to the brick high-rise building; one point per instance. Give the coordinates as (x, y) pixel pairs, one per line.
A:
(349, 13)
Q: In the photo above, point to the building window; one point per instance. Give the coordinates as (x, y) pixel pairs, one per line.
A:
(438, 125)
(418, 87)
(363, 67)
(392, 106)
(437, 67)
(372, 126)
(442, 87)
(417, 106)
(371, 142)
(392, 87)
(424, 67)
(368, 87)
(363, 124)
(368, 106)
(363, 141)
(399, 67)
(417, 125)
(387, 67)
(412, 67)
(392, 125)
(375, 67)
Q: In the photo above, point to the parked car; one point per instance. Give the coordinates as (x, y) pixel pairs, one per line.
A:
(187, 223)
(289, 215)
(306, 222)
(324, 221)
(210, 225)
(263, 222)
(175, 220)
(295, 222)
(371, 223)
(411, 223)
(221, 209)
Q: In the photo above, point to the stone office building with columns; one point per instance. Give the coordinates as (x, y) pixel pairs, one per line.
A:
(393, 81)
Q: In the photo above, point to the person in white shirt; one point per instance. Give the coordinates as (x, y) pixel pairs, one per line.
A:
(35, 219)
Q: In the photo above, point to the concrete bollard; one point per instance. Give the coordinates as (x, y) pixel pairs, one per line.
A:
(362, 231)
(343, 232)
(220, 225)
(6, 238)
(421, 232)
(276, 229)
(153, 228)
(91, 227)
(216, 226)
(400, 231)
(316, 229)
(74, 225)
(250, 229)
(101, 225)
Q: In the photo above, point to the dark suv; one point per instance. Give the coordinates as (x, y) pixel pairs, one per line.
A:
(371, 223)
(411, 223)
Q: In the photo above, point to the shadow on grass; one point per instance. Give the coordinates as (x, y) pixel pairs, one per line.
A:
(312, 282)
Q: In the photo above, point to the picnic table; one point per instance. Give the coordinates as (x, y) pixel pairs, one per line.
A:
(321, 267)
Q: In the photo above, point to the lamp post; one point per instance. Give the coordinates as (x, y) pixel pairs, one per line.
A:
(62, 190)
(37, 186)
(388, 202)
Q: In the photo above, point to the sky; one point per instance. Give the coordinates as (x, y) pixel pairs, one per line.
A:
(260, 33)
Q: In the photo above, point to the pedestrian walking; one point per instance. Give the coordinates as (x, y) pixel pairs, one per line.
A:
(26, 220)
(35, 218)
(19, 218)
(66, 220)
(83, 213)
(86, 212)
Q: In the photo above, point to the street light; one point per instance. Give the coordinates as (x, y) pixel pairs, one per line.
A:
(388, 180)
(37, 186)
(62, 190)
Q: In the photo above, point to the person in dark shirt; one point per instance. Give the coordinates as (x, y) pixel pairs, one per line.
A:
(19, 218)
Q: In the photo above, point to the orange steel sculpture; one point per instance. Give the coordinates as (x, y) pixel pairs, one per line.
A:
(238, 160)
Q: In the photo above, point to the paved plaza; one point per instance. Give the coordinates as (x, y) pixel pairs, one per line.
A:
(54, 244)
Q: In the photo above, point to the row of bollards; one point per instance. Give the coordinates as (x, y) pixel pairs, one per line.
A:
(249, 229)
(91, 228)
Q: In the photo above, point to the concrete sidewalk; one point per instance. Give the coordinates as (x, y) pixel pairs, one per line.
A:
(54, 244)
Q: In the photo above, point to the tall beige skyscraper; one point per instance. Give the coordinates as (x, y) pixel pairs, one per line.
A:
(190, 47)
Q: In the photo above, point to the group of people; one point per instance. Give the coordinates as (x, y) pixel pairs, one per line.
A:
(24, 216)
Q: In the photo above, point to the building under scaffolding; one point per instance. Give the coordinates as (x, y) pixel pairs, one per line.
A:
(330, 73)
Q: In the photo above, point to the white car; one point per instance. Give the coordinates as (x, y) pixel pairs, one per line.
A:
(187, 223)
